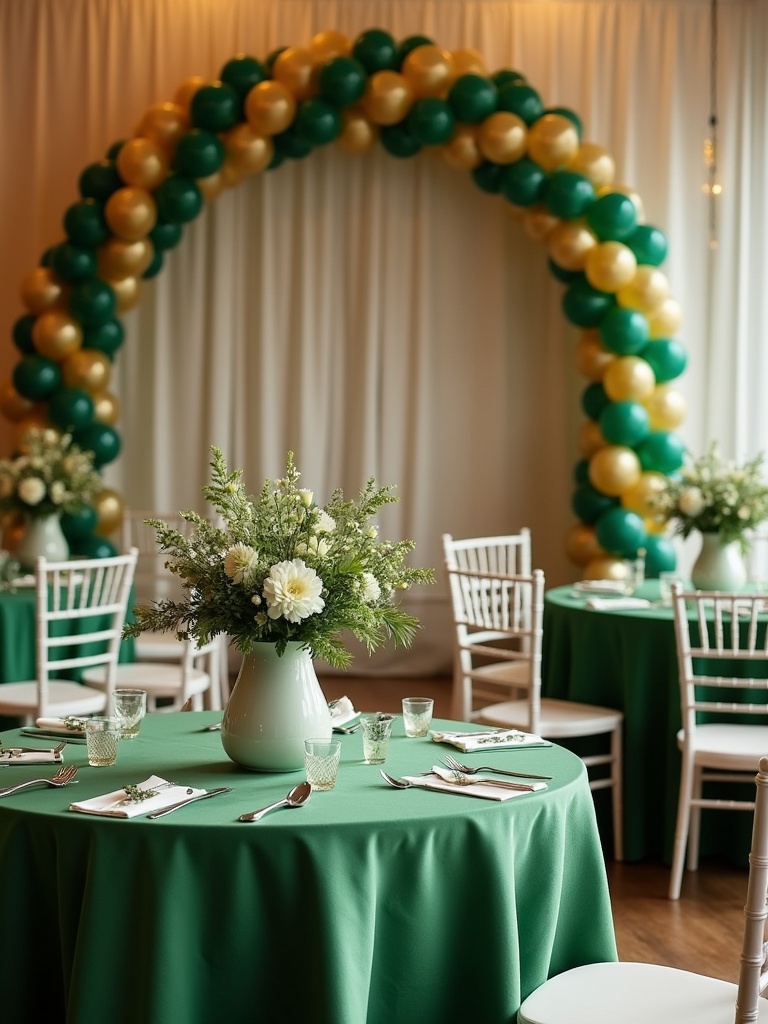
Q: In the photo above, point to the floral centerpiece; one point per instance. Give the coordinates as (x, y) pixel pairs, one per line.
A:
(49, 474)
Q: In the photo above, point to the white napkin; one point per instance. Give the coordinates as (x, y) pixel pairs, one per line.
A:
(58, 725)
(499, 739)
(600, 587)
(603, 604)
(31, 757)
(440, 784)
(111, 805)
(23, 581)
(343, 712)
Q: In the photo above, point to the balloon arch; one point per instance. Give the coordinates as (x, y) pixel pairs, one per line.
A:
(407, 96)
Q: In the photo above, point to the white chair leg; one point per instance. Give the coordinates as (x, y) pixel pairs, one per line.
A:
(694, 831)
(617, 802)
(681, 830)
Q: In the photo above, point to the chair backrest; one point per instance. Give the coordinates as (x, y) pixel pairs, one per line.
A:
(757, 556)
(152, 580)
(726, 628)
(81, 606)
(753, 976)
(510, 554)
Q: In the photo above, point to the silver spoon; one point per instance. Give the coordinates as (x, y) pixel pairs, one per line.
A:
(296, 797)
(397, 783)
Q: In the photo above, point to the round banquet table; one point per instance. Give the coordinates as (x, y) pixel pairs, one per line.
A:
(626, 658)
(368, 905)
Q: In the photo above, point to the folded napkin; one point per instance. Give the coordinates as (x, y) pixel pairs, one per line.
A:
(30, 756)
(602, 604)
(498, 739)
(438, 783)
(342, 712)
(111, 805)
(600, 587)
(62, 726)
(23, 581)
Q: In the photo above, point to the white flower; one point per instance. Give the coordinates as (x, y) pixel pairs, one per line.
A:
(691, 501)
(371, 591)
(317, 547)
(240, 562)
(306, 496)
(292, 591)
(325, 523)
(58, 492)
(31, 490)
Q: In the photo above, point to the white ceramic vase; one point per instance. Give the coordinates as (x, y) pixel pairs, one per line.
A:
(719, 566)
(276, 704)
(43, 536)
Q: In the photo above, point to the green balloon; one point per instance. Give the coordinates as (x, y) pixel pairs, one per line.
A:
(519, 98)
(566, 276)
(22, 334)
(198, 154)
(93, 547)
(661, 452)
(318, 121)
(79, 523)
(625, 423)
(291, 144)
(98, 181)
(278, 158)
(102, 440)
(242, 73)
(411, 43)
(165, 235)
(272, 57)
(571, 115)
(506, 76)
(47, 257)
(660, 555)
(342, 81)
(178, 199)
(649, 244)
(92, 302)
(589, 504)
(155, 266)
(584, 305)
(612, 217)
(114, 149)
(523, 182)
(621, 532)
(488, 177)
(568, 194)
(36, 377)
(84, 223)
(71, 408)
(431, 122)
(376, 50)
(215, 107)
(398, 141)
(666, 357)
(73, 263)
(106, 337)
(472, 98)
(624, 331)
(581, 471)
(594, 400)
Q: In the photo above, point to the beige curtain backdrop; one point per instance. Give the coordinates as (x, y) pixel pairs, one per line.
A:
(386, 317)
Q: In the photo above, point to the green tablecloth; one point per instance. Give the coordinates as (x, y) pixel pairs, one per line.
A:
(627, 659)
(349, 910)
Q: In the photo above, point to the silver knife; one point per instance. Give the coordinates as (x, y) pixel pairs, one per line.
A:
(189, 800)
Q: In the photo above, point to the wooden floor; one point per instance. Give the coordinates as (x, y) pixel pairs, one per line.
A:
(700, 932)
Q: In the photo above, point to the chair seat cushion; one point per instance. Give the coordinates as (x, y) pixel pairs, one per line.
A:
(632, 993)
(159, 680)
(723, 745)
(559, 718)
(20, 699)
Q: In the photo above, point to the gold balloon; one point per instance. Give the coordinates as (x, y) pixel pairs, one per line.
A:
(626, 191)
(429, 70)
(87, 368)
(13, 526)
(128, 293)
(211, 187)
(590, 356)
(502, 137)
(590, 439)
(462, 151)
(331, 43)
(614, 469)
(164, 123)
(13, 405)
(665, 319)
(118, 259)
(539, 222)
(607, 568)
(131, 213)
(595, 163)
(142, 163)
(553, 141)
(106, 407)
(109, 512)
(42, 290)
(581, 544)
(295, 68)
(270, 107)
(569, 244)
(358, 134)
(388, 97)
(230, 175)
(641, 497)
(666, 407)
(610, 266)
(467, 62)
(647, 290)
(183, 95)
(629, 378)
(247, 149)
(56, 335)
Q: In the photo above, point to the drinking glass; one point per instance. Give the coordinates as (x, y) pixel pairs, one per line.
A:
(377, 728)
(130, 708)
(666, 579)
(102, 735)
(321, 761)
(417, 715)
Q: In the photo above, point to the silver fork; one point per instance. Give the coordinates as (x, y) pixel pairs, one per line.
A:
(457, 766)
(62, 778)
(460, 779)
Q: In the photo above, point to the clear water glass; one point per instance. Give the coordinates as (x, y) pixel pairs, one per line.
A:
(417, 715)
(102, 736)
(321, 762)
(130, 708)
(377, 728)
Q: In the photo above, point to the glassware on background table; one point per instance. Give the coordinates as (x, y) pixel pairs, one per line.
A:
(321, 761)
(634, 572)
(102, 735)
(130, 708)
(417, 715)
(666, 579)
(377, 728)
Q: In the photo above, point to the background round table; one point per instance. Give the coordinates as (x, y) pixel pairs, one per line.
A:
(368, 905)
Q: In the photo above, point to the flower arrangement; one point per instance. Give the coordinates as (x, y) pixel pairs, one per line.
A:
(282, 568)
(49, 474)
(714, 496)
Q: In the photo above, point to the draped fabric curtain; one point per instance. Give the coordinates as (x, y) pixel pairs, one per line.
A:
(385, 317)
